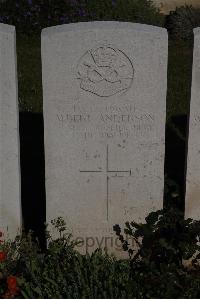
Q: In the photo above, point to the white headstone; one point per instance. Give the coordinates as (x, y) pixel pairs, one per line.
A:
(10, 205)
(104, 89)
(192, 205)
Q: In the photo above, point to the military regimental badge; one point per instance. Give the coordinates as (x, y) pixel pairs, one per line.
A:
(105, 71)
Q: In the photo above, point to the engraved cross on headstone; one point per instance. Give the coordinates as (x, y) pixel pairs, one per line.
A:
(108, 173)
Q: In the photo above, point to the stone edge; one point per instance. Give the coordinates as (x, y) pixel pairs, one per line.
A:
(4, 28)
(196, 30)
(103, 25)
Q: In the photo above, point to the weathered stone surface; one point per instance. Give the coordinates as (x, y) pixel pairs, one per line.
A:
(10, 206)
(192, 207)
(104, 118)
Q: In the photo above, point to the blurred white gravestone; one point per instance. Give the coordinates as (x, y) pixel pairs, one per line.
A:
(10, 203)
(192, 205)
(104, 87)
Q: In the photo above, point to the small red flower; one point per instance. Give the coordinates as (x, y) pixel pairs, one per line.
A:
(12, 285)
(3, 256)
(11, 281)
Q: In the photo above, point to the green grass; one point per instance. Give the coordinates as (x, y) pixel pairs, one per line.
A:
(29, 73)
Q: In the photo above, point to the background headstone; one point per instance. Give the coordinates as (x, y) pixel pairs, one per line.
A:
(10, 204)
(192, 206)
(104, 89)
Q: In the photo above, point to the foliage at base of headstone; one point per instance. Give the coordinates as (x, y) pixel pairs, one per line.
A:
(181, 22)
(61, 272)
(32, 15)
(9, 284)
(155, 268)
(166, 237)
(163, 246)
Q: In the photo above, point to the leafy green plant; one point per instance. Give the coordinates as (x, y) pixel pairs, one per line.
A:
(154, 268)
(9, 280)
(61, 272)
(165, 238)
(162, 244)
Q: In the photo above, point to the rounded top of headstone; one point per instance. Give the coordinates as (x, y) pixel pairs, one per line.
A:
(7, 28)
(196, 31)
(104, 25)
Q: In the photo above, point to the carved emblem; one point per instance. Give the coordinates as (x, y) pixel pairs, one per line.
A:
(105, 71)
